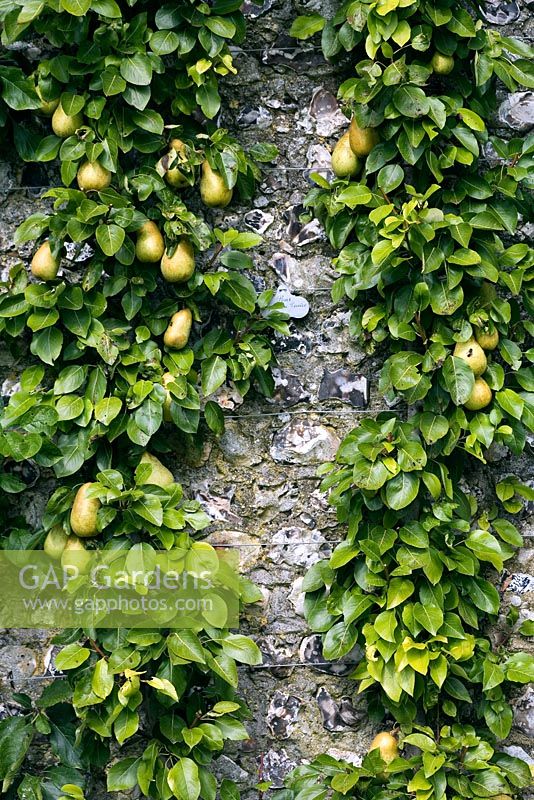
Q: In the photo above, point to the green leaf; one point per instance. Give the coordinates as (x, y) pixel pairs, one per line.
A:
(72, 656)
(429, 616)
(411, 101)
(110, 238)
(305, 26)
(102, 680)
(47, 345)
(183, 779)
(122, 776)
(107, 409)
(241, 648)
(459, 379)
(186, 645)
(402, 490)
(76, 7)
(433, 427)
(136, 69)
(213, 374)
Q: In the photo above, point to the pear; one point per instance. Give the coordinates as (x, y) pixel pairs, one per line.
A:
(167, 378)
(179, 267)
(55, 542)
(75, 554)
(150, 245)
(480, 396)
(213, 189)
(442, 65)
(387, 745)
(43, 264)
(362, 140)
(63, 124)
(92, 176)
(160, 475)
(47, 106)
(344, 161)
(177, 334)
(487, 337)
(83, 513)
(473, 355)
(174, 176)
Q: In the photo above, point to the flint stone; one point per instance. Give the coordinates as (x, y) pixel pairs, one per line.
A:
(302, 442)
(299, 546)
(344, 385)
(524, 712)
(337, 716)
(282, 714)
(500, 13)
(276, 766)
(311, 652)
(517, 111)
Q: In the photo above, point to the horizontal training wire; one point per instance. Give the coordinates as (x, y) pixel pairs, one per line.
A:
(239, 666)
(333, 412)
(314, 168)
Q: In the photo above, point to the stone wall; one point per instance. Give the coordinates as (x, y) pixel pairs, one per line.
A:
(258, 481)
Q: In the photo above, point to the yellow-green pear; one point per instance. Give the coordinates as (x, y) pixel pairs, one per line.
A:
(167, 378)
(387, 745)
(160, 475)
(362, 140)
(65, 125)
(177, 334)
(344, 161)
(213, 190)
(480, 396)
(55, 542)
(150, 245)
(174, 176)
(43, 264)
(441, 64)
(179, 267)
(92, 176)
(84, 512)
(487, 337)
(473, 355)
(75, 555)
(47, 106)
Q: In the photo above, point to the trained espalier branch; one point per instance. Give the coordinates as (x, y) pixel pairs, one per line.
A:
(424, 212)
(134, 313)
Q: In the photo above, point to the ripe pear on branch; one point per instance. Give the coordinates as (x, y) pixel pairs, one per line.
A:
(442, 64)
(473, 355)
(176, 155)
(44, 265)
(177, 334)
(362, 140)
(213, 190)
(160, 475)
(75, 554)
(345, 162)
(93, 177)
(150, 245)
(487, 336)
(167, 378)
(179, 267)
(65, 125)
(386, 743)
(83, 515)
(480, 396)
(55, 542)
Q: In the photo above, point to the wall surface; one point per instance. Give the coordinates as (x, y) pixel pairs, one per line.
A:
(258, 481)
